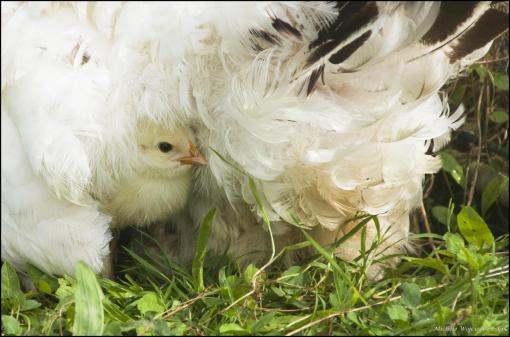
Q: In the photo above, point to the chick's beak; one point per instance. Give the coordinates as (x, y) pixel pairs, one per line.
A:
(194, 157)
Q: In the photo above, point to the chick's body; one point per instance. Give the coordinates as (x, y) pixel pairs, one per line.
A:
(159, 185)
(145, 200)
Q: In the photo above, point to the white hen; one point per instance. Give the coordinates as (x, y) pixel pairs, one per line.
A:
(330, 107)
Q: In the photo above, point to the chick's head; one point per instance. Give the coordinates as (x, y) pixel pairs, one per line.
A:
(170, 151)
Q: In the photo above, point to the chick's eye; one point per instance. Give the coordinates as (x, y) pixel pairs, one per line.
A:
(165, 147)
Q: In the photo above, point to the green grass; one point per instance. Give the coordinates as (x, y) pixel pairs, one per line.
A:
(455, 284)
(459, 288)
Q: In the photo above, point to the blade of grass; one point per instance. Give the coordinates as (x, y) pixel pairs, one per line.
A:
(204, 234)
(89, 313)
(327, 255)
(353, 231)
(146, 265)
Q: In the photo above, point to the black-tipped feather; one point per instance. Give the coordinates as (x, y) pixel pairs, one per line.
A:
(452, 14)
(285, 28)
(349, 49)
(258, 34)
(316, 74)
(336, 35)
(346, 9)
(491, 24)
(472, 37)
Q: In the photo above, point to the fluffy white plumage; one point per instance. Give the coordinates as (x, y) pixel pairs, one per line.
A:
(82, 120)
(331, 108)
